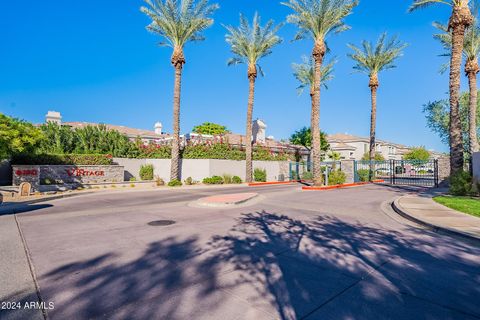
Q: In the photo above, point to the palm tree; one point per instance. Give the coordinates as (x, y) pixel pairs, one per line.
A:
(460, 19)
(305, 73)
(317, 19)
(178, 22)
(471, 50)
(372, 59)
(250, 43)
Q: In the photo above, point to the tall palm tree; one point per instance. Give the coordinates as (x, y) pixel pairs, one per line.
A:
(250, 43)
(178, 22)
(471, 51)
(460, 19)
(372, 59)
(317, 19)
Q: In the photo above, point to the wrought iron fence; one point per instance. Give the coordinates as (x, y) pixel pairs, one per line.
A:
(405, 172)
(303, 170)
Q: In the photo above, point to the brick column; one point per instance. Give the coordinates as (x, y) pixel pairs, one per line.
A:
(443, 170)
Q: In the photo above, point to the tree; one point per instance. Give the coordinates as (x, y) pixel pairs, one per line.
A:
(460, 19)
(471, 50)
(438, 118)
(303, 137)
(17, 136)
(417, 153)
(210, 128)
(377, 157)
(305, 74)
(372, 59)
(317, 19)
(250, 43)
(178, 22)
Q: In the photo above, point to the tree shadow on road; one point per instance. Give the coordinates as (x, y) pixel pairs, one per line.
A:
(277, 265)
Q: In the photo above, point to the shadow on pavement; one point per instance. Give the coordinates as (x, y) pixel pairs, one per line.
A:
(325, 268)
(14, 208)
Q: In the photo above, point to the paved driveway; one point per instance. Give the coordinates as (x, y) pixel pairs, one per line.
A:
(293, 255)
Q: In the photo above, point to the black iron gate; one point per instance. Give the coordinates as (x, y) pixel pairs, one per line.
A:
(402, 172)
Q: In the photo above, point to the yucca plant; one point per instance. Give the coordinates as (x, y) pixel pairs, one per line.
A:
(250, 43)
(318, 19)
(372, 59)
(471, 50)
(178, 22)
(460, 19)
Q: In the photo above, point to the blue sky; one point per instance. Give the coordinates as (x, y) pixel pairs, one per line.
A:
(94, 61)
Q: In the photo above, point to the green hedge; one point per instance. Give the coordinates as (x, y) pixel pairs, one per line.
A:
(62, 159)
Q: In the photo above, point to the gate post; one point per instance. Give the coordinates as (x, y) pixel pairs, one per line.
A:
(394, 171)
(349, 168)
(435, 172)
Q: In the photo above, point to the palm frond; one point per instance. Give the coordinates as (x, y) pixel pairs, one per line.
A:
(319, 18)
(251, 42)
(372, 58)
(420, 4)
(179, 21)
(305, 72)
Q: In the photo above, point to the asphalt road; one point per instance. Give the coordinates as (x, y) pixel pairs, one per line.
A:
(293, 255)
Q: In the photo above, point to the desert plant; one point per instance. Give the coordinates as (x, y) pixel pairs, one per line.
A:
(236, 180)
(364, 174)
(461, 183)
(250, 43)
(178, 22)
(260, 175)
(174, 183)
(336, 177)
(189, 181)
(227, 178)
(159, 181)
(307, 175)
(213, 180)
(132, 179)
(146, 172)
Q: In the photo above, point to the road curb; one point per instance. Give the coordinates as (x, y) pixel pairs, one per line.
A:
(404, 213)
(4, 209)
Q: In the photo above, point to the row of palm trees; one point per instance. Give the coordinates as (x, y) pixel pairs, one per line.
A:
(180, 21)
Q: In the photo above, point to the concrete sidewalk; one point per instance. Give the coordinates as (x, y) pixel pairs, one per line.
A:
(424, 210)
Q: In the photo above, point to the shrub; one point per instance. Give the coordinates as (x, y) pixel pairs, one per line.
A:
(336, 177)
(159, 181)
(461, 183)
(260, 175)
(189, 181)
(236, 180)
(307, 175)
(213, 180)
(132, 179)
(363, 174)
(227, 178)
(146, 172)
(174, 183)
(62, 159)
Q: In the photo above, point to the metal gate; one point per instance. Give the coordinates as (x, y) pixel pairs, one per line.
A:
(303, 170)
(402, 172)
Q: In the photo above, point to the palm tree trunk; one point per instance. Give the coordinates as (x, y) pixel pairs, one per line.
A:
(472, 71)
(252, 74)
(459, 20)
(174, 168)
(318, 53)
(373, 122)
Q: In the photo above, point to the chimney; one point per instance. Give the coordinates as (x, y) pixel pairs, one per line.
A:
(54, 117)
(158, 128)
(258, 128)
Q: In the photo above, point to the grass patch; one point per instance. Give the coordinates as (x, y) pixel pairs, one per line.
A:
(468, 205)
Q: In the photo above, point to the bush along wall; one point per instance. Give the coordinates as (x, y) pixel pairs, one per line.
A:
(62, 159)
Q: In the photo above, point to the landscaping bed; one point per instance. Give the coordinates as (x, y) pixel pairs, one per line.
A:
(469, 205)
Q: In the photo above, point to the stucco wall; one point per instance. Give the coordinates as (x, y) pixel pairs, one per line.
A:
(476, 166)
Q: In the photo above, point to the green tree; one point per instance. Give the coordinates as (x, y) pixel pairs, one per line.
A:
(377, 157)
(372, 59)
(437, 114)
(178, 22)
(471, 50)
(318, 19)
(210, 128)
(17, 136)
(250, 43)
(417, 153)
(303, 137)
(460, 19)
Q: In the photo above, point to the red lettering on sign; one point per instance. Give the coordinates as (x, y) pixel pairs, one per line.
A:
(83, 172)
(26, 172)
